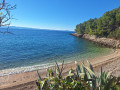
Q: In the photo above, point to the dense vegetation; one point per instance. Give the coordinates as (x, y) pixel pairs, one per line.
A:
(106, 26)
(80, 79)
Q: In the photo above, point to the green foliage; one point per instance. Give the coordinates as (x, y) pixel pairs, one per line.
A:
(115, 34)
(79, 79)
(106, 26)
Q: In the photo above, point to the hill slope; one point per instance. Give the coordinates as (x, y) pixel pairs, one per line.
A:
(106, 26)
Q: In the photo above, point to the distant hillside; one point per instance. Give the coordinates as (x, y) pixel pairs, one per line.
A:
(106, 26)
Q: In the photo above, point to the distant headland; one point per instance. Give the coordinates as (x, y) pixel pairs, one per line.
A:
(104, 30)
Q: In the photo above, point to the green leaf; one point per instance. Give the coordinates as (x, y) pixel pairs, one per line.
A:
(78, 70)
(91, 67)
(89, 70)
(89, 79)
(83, 68)
(39, 76)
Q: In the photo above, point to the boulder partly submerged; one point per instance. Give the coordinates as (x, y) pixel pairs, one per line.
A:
(77, 35)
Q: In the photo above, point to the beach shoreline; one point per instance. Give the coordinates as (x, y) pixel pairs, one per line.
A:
(26, 77)
(22, 69)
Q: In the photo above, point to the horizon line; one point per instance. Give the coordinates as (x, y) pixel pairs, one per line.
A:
(43, 28)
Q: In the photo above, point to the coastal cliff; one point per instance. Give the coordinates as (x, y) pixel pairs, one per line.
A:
(100, 40)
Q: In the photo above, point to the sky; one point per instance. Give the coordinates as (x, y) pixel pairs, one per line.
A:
(58, 14)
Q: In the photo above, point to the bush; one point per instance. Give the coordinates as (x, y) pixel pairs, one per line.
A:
(79, 79)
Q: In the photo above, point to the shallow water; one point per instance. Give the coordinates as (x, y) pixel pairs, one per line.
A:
(31, 49)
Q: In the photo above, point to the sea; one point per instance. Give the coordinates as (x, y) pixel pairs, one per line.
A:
(28, 49)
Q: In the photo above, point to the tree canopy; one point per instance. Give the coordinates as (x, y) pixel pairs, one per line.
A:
(106, 26)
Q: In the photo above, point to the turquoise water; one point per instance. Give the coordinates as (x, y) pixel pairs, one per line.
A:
(31, 49)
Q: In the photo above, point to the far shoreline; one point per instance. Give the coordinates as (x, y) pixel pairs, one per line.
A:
(102, 41)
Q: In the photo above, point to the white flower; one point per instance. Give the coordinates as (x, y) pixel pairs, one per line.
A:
(75, 62)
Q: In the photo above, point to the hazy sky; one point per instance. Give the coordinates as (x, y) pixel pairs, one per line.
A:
(58, 14)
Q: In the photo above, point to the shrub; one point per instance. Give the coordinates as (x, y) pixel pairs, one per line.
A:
(79, 79)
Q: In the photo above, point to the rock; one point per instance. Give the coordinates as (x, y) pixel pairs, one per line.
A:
(77, 35)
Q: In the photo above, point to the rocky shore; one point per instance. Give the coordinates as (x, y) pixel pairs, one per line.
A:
(100, 40)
